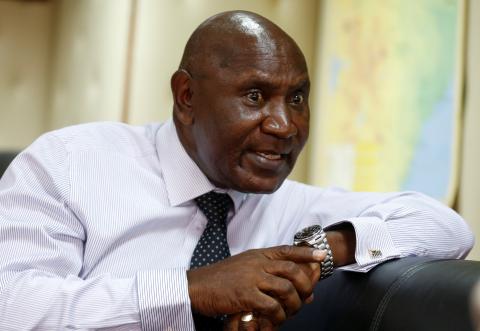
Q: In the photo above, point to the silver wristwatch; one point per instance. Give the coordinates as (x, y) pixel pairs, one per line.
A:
(314, 236)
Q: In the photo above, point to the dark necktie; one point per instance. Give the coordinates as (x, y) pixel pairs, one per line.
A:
(212, 245)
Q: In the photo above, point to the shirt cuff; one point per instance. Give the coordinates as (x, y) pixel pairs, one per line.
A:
(163, 300)
(374, 244)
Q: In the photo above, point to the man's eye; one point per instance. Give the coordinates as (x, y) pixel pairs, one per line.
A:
(255, 96)
(297, 99)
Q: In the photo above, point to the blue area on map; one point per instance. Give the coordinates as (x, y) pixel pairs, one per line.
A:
(335, 69)
(429, 171)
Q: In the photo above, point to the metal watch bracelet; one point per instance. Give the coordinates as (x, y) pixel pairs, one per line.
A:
(315, 236)
(327, 264)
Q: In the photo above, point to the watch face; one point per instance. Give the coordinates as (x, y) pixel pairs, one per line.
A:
(307, 232)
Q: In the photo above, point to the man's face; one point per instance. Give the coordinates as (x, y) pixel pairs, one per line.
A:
(251, 119)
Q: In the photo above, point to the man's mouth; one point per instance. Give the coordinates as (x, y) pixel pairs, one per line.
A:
(268, 160)
(271, 156)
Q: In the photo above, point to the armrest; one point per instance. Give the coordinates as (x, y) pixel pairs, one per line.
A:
(414, 293)
(5, 158)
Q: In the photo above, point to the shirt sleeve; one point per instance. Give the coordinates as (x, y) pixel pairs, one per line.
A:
(41, 255)
(156, 312)
(392, 225)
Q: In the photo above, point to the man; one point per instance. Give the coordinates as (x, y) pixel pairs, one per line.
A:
(113, 227)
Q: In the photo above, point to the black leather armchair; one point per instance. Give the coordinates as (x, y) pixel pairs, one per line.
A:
(5, 158)
(410, 294)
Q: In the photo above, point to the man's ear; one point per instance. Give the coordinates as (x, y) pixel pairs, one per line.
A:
(181, 84)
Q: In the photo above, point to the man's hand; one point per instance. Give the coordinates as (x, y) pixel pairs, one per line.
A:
(234, 323)
(272, 282)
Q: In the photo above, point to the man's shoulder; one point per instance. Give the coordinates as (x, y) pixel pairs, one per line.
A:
(106, 137)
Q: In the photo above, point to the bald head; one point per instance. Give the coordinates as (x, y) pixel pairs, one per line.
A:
(227, 36)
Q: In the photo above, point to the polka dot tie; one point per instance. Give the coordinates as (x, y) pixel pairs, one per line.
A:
(212, 245)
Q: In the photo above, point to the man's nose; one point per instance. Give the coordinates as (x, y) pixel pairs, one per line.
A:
(278, 122)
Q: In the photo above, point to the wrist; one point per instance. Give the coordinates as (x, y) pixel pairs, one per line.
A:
(342, 241)
(193, 289)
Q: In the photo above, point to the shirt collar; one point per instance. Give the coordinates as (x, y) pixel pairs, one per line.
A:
(184, 181)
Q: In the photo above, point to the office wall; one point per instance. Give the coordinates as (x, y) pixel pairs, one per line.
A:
(469, 189)
(25, 52)
(89, 58)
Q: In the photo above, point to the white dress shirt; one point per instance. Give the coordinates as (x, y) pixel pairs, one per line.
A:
(98, 224)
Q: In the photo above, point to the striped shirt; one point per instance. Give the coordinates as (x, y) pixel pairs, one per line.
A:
(98, 225)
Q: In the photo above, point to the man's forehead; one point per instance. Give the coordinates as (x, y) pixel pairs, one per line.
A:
(238, 41)
(268, 75)
(248, 26)
(255, 58)
(263, 65)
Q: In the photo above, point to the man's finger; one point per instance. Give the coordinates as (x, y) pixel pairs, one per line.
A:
(300, 254)
(297, 274)
(249, 326)
(309, 299)
(313, 271)
(231, 323)
(235, 323)
(265, 324)
(269, 307)
(284, 291)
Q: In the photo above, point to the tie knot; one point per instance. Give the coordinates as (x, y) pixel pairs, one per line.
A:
(215, 206)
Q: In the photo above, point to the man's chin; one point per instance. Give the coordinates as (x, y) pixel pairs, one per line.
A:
(258, 184)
